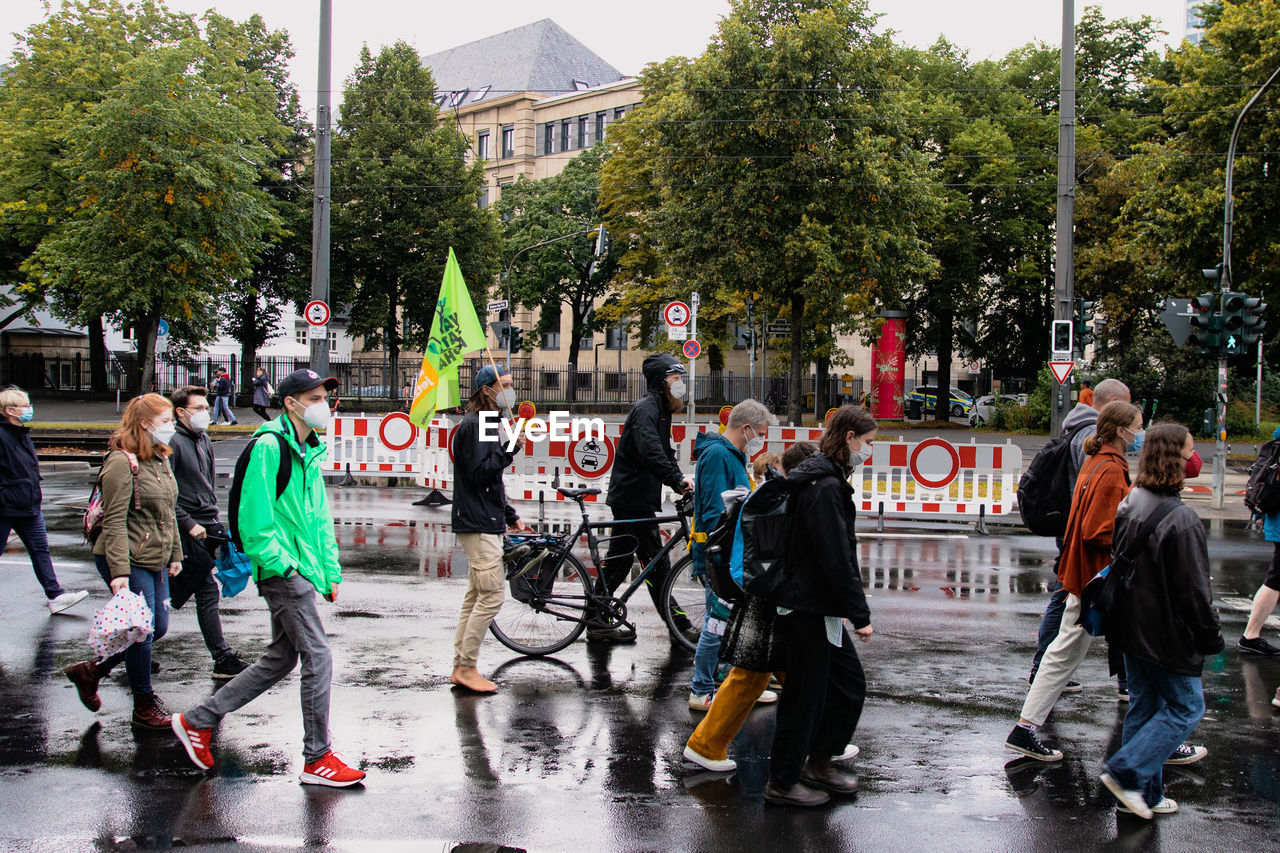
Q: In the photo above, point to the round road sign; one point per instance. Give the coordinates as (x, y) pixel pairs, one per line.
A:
(316, 313)
(526, 410)
(692, 349)
(397, 432)
(676, 314)
(724, 414)
(934, 463)
(591, 456)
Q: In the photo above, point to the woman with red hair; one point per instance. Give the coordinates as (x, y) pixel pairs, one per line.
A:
(139, 546)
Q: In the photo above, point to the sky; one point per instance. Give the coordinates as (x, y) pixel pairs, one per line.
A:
(627, 35)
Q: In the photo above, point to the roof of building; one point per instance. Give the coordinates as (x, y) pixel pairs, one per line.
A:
(538, 57)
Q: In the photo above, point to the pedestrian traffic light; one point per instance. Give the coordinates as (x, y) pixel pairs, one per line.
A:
(517, 338)
(1084, 316)
(1254, 324)
(1232, 323)
(1206, 324)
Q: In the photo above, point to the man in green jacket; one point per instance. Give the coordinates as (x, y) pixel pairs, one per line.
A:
(291, 543)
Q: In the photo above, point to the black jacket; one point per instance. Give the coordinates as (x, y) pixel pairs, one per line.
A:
(1166, 616)
(19, 472)
(645, 457)
(222, 386)
(822, 574)
(193, 468)
(479, 499)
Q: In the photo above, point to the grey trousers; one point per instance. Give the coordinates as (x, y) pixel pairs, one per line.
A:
(296, 633)
(207, 596)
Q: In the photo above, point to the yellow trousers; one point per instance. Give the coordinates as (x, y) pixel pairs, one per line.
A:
(734, 701)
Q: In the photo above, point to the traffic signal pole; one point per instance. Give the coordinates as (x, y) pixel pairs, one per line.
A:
(321, 200)
(1063, 256)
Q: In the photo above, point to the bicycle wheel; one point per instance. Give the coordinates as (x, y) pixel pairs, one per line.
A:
(686, 600)
(551, 620)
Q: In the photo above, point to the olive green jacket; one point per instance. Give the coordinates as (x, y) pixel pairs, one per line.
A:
(148, 536)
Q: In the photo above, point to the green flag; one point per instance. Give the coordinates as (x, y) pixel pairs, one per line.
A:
(455, 331)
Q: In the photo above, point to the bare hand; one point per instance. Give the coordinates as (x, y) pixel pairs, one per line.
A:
(864, 633)
(686, 486)
(332, 595)
(198, 532)
(118, 584)
(520, 440)
(174, 568)
(520, 527)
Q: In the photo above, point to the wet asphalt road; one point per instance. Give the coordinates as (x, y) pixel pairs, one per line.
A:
(582, 751)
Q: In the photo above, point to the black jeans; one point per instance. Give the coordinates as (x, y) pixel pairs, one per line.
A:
(820, 707)
(642, 539)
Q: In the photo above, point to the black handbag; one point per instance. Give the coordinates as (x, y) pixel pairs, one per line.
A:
(1099, 596)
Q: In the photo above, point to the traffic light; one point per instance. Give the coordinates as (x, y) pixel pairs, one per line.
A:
(1206, 324)
(1084, 316)
(1232, 323)
(517, 338)
(1254, 324)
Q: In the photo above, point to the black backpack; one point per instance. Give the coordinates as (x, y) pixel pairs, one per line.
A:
(720, 549)
(1262, 494)
(1044, 490)
(283, 473)
(766, 532)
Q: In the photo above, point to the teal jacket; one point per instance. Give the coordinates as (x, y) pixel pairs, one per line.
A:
(294, 533)
(720, 467)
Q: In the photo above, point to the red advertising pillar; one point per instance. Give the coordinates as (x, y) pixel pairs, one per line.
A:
(888, 366)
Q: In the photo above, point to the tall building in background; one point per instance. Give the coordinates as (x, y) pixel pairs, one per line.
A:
(1195, 24)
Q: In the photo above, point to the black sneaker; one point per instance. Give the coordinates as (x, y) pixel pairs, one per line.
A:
(1186, 754)
(229, 667)
(1025, 742)
(618, 636)
(1257, 646)
(1073, 687)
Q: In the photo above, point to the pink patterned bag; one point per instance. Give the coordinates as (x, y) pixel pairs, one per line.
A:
(123, 621)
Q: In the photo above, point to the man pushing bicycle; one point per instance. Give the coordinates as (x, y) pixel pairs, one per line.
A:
(645, 462)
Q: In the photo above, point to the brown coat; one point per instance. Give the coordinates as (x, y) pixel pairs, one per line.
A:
(1086, 546)
(147, 537)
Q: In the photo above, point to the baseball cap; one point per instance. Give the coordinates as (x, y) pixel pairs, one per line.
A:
(301, 381)
(487, 376)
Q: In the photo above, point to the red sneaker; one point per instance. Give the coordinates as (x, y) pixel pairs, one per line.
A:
(195, 740)
(332, 771)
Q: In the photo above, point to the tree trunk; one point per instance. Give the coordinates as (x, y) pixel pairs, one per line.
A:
(248, 352)
(144, 330)
(797, 353)
(577, 316)
(942, 407)
(392, 380)
(97, 355)
(823, 399)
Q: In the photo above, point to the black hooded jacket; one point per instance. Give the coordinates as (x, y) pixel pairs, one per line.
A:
(19, 472)
(645, 458)
(822, 575)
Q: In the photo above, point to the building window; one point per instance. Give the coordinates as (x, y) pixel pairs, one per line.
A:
(584, 131)
(550, 380)
(300, 335)
(551, 340)
(509, 141)
(483, 201)
(548, 138)
(614, 382)
(333, 341)
(619, 113)
(615, 337)
(583, 380)
(565, 129)
(482, 146)
(600, 126)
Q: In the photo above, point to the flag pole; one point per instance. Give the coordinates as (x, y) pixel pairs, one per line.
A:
(497, 375)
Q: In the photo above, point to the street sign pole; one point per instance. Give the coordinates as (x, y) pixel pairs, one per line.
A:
(1063, 256)
(321, 202)
(751, 349)
(693, 333)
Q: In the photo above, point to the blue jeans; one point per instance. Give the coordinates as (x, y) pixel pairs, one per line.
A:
(707, 655)
(222, 406)
(30, 530)
(1164, 709)
(154, 587)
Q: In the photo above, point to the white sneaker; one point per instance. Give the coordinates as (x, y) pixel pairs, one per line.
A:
(1165, 806)
(850, 752)
(67, 600)
(700, 703)
(1131, 801)
(710, 763)
(768, 697)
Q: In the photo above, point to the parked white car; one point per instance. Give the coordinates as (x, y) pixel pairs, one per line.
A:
(983, 406)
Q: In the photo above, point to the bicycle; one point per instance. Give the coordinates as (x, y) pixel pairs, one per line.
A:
(554, 597)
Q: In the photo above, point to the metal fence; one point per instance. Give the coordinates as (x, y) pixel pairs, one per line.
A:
(44, 376)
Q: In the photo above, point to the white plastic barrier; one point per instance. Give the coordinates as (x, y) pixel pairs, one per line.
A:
(386, 446)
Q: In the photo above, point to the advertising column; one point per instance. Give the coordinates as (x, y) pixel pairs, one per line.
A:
(888, 366)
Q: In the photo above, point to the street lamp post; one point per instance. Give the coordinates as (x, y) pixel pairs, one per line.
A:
(506, 274)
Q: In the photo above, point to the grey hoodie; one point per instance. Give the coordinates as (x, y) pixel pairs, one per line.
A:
(1085, 418)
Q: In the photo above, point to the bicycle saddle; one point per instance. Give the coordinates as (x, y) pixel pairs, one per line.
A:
(574, 493)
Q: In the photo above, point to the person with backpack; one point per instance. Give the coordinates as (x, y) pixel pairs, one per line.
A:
(20, 497)
(1163, 620)
(200, 525)
(279, 513)
(821, 585)
(1086, 550)
(480, 514)
(720, 465)
(1264, 473)
(222, 389)
(645, 462)
(138, 548)
(1044, 493)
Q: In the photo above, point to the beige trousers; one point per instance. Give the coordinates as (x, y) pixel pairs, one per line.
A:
(1065, 654)
(484, 594)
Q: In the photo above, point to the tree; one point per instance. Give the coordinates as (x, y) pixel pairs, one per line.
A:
(780, 166)
(163, 171)
(403, 194)
(566, 273)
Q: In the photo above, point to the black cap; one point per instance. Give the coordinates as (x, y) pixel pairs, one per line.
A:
(301, 381)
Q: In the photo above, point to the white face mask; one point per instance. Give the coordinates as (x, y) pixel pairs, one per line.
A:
(754, 444)
(678, 389)
(316, 415)
(506, 399)
(862, 454)
(198, 421)
(163, 433)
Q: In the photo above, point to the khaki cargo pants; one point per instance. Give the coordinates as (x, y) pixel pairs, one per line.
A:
(484, 594)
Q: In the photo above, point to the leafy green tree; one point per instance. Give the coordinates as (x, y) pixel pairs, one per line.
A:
(780, 164)
(162, 171)
(402, 195)
(566, 273)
